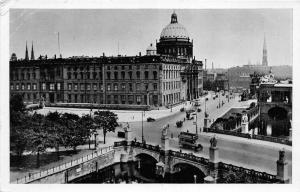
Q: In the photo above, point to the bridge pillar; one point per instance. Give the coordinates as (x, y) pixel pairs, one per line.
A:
(165, 139)
(128, 133)
(213, 161)
(206, 121)
(282, 167)
(245, 123)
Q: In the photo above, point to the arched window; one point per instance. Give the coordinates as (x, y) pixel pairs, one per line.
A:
(155, 75)
(146, 74)
(123, 74)
(116, 75)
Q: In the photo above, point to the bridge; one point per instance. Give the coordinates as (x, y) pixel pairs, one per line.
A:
(166, 161)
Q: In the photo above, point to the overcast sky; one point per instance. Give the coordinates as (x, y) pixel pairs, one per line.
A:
(226, 37)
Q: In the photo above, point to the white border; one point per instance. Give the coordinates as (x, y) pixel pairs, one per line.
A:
(136, 4)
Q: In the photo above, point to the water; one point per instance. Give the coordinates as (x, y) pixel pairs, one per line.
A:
(144, 172)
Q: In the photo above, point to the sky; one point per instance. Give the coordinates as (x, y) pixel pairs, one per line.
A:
(226, 37)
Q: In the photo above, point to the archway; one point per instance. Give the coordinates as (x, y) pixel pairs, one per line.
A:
(278, 113)
(187, 173)
(146, 165)
(279, 123)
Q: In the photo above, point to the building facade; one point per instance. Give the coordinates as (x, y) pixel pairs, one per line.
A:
(154, 79)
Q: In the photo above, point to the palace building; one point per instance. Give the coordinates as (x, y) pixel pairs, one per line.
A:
(166, 75)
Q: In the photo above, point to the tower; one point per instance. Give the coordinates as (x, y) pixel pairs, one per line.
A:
(26, 53)
(32, 53)
(265, 59)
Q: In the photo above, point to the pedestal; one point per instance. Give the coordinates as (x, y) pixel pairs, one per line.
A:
(164, 143)
(214, 154)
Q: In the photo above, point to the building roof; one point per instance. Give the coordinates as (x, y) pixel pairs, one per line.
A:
(174, 30)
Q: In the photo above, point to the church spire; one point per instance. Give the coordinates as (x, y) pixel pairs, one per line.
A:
(265, 58)
(26, 53)
(32, 53)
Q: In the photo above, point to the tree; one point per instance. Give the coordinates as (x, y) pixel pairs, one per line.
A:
(75, 133)
(16, 103)
(87, 122)
(107, 121)
(55, 130)
(19, 121)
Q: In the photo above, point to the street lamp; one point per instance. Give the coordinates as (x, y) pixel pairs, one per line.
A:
(95, 140)
(195, 179)
(196, 123)
(142, 126)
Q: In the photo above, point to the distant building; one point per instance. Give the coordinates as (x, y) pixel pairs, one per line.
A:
(275, 103)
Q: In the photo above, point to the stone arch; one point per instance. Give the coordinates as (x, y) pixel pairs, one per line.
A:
(278, 113)
(150, 153)
(201, 168)
(186, 172)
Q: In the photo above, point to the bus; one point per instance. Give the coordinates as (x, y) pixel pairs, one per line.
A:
(189, 141)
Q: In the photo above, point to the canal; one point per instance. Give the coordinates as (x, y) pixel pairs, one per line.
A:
(141, 172)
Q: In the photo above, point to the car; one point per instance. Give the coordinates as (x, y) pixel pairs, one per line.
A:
(150, 119)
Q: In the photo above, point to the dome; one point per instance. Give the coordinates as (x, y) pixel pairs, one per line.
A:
(174, 30)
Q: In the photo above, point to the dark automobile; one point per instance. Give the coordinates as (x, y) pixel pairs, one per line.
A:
(150, 119)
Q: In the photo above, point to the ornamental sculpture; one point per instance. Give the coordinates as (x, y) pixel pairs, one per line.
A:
(213, 142)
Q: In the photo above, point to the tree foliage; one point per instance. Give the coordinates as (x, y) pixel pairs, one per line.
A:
(106, 120)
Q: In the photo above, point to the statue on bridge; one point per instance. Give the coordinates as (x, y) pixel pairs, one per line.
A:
(127, 128)
(213, 141)
(165, 130)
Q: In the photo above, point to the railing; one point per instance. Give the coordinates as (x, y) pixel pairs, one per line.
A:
(190, 157)
(262, 176)
(246, 135)
(138, 144)
(34, 176)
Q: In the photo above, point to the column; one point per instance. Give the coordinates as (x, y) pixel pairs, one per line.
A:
(213, 161)
(282, 168)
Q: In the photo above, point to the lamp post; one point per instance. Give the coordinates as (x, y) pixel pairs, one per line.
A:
(142, 126)
(195, 114)
(195, 179)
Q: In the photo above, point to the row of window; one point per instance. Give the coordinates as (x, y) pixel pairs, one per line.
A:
(111, 87)
(115, 75)
(171, 85)
(171, 98)
(33, 86)
(112, 99)
(116, 67)
(171, 74)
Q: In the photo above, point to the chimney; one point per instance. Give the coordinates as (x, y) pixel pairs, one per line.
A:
(103, 54)
(205, 64)
(140, 54)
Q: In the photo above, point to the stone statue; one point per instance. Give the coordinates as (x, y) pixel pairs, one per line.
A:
(213, 142)
(245, 118)
(282, 155)
(165, 130)
(127, 128)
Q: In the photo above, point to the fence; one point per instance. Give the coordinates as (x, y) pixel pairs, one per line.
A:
(62, 167)
(246, 135)
(261, 177)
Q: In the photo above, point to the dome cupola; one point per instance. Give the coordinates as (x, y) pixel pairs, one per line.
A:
(174, 40)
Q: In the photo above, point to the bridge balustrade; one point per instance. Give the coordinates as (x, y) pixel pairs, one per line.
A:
(245, 135)
(191, 157)
(62, 167)
(261, 176)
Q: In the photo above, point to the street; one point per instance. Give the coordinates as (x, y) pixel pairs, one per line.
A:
(252, 154)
